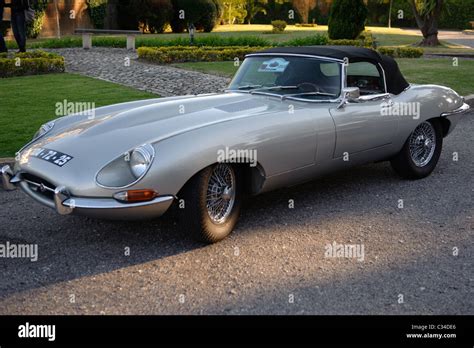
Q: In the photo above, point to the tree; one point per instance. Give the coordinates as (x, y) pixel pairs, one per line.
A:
(253, 7)
(427, 14)
(202, 13)
(304, 7)
(347, 19)
(234, 10)
(58, 26)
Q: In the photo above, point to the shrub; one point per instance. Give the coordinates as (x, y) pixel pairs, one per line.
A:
(401, 52)
(388, 51)
(33, 29)
(97, 10)
(209, 17)
(278, 26)
(365, 39)
(343, 42)
(347, 19)
(314, 40)
(368, 39)
(166, 55)
(202, 13)
(31, 63)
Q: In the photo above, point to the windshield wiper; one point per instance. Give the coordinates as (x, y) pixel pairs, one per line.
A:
(249, 87)
(309, 94)
(272, 88)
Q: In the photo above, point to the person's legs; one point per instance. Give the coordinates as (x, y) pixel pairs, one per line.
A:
(19, 29)
(3, 46)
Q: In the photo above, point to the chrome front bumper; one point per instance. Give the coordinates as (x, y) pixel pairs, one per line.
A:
(106, 208)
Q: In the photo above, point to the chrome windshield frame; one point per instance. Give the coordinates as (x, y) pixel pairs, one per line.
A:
(283, 97)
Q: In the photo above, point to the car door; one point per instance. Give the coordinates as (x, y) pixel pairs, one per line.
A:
(362, 126)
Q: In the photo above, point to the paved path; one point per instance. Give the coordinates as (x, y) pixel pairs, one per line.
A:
(455, 37)
(111, 64)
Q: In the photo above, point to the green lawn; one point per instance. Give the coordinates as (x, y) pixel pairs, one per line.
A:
(28, 102)
(436, 71)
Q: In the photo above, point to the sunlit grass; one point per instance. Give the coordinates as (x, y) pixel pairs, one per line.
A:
(28, 102)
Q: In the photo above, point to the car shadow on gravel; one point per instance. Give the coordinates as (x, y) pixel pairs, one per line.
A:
(74, 247)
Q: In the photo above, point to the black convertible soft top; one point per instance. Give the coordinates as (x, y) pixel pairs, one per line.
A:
(396, 83)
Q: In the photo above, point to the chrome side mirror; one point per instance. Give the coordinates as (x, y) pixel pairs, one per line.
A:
(349, 94)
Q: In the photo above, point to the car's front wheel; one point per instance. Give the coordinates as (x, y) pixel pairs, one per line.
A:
(212, 201)
(421, 152)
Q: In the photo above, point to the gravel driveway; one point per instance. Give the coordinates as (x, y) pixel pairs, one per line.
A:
(121, 66)
(417, 259)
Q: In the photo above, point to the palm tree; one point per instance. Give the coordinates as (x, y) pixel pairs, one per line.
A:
(253, 7)
(427, 13)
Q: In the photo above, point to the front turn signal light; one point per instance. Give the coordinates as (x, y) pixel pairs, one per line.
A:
(135, 196)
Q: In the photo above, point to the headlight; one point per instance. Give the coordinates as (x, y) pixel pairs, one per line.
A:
(140, 160)
(44, 129)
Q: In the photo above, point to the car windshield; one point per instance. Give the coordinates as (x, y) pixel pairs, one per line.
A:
(289, 77)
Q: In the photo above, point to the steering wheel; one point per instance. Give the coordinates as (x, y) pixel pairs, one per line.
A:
(308, 87)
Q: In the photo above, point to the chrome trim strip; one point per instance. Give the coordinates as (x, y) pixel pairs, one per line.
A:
(294, 55)
(464, 108)
(384, 77)
(7, 174)
(107, 203)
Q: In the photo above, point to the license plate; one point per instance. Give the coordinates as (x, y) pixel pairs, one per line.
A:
(55, 157)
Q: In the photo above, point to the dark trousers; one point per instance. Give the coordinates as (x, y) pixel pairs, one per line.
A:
(3, 46)
(19, 29)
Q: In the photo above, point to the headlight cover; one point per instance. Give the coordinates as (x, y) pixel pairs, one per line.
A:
(128, 169)
(44, 129)
(140, 160)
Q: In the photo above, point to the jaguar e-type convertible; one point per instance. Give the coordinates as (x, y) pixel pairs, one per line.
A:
(288, 116)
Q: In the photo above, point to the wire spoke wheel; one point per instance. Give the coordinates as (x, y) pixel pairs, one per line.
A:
(221, 193)
(422, 144)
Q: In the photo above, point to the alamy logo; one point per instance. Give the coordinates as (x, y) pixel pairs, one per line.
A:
(19, 251)
(75, 108)
(229, 155)
(37, 331)
(410, 109)
(349, 251)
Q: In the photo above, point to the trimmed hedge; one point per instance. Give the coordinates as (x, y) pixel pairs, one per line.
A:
(178, 54)
(313, 40)
(30, 63)
(365, 39)
(278, 26)
(401, 52)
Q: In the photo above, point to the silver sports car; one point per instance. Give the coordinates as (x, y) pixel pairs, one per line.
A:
(289, 116)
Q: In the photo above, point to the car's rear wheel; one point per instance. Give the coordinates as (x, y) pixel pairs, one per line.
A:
(212, 201)
(420, 154)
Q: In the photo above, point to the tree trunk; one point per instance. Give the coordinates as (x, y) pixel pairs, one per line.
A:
(58, 26)
(390, 14)
(428, 24)
(430, 33)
